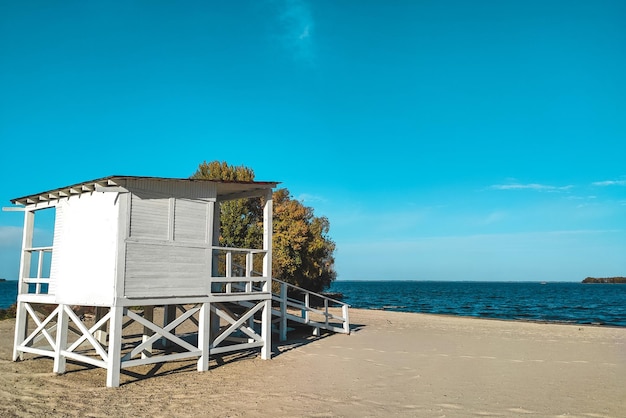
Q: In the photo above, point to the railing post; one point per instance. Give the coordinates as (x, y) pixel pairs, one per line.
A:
(283, 312)
(39, 271)
(306, 310)
(229, 270)
(346, 320)
(326, 310)
(249, 271)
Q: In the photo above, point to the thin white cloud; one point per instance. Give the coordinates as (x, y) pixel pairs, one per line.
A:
(310, 198)
(494, 217)
(297, 29)
(610, 183)
(530, 186)
(10, 236)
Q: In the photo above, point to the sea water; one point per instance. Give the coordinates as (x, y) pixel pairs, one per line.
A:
(576, 303)
(8, 293)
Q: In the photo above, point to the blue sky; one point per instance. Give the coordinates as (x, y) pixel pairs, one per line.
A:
(444, 140)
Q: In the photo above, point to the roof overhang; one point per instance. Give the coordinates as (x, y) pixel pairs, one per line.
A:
(226, 190)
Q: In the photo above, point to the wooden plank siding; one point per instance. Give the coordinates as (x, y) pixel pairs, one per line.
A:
(167, 252)
(165, 270)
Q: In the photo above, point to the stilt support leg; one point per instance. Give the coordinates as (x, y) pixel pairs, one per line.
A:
(204, 336)
(115, 347)
(21, 321)
(266, 330)
(61, 341)
(148, 313)
(169, 315)
(101, 334)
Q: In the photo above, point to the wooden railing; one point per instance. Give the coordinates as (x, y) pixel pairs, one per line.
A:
(235, 271)
(307, 312)
(312, 309)
(39, 280)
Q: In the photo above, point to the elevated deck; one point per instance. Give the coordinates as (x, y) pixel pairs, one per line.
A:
(161, 330)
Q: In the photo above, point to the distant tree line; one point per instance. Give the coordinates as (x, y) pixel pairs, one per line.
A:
(605, 280)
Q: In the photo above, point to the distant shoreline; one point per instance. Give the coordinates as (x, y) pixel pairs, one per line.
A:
(605, 280)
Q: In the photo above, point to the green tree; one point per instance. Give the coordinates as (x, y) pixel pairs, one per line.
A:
(303, 253)
(241, 219)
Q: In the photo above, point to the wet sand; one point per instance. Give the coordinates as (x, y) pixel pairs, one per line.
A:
(393, 364)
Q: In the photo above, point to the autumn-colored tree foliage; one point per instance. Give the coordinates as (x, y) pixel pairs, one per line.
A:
(302, 250)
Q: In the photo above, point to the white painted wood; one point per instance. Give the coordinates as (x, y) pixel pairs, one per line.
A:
(114, 359)
(101, 333)
(169, 316)
(164, 331)
(346, 319)
(87, 334)
(162, 270)
(123, 234)
(124, 241)
(40, 327)
(86, 359)
(57, 242)
(204, 337)
(160, 359)
(27, 242)
(236, 347)
(283, 312)
(85, 256)
(190, 221)
(21, 320)
(148, 313)
(110, 189)
(149, 218)
(266, 315)
(237, 324)
(61, 341)
(20, 330)
(37, 351)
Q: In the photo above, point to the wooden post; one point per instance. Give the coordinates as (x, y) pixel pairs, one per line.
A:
(61, 341)
(326, 311)
(148, 313)
(346, 319)
(27, 242)
(21, 320)
(114, 360)
(20, 330)
(266, 315)
(215, 211)
(283, 312)
(204, 336)
(306, 307)
(39, 271)
(169, 315)
(101, 333)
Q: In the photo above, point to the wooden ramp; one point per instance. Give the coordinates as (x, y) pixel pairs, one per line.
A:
(295, 306)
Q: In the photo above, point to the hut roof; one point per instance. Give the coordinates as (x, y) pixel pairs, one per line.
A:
(224, 188)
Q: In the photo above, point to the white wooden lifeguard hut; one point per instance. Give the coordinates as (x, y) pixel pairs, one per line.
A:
(126, 245)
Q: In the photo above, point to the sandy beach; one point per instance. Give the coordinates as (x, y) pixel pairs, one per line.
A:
(393, 364)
